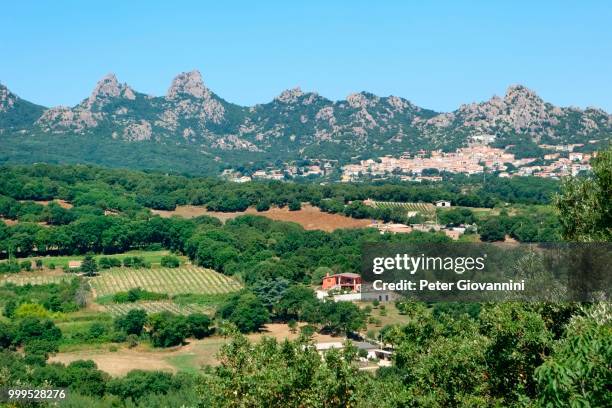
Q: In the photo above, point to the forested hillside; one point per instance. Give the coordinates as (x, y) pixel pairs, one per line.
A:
(194, 130)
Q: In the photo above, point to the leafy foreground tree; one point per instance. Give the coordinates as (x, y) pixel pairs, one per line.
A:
(579, 372)
(585, 205)
(289, 374)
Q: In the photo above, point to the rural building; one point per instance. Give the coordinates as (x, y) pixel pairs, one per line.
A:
(443, 203)
(342, 281)
(452, 233)
(74, 264)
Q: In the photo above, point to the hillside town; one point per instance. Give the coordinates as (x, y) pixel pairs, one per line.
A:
(560, 161)
(470, 160)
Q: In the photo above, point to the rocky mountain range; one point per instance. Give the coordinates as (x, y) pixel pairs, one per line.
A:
(296, 123)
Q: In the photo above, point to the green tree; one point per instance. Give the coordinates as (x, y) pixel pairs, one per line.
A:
(579, 372)
(245, 310)
(585, 204)
(199, 325)
(89, 265)
(132, 322)
(170, 261)
(167, 330)
(492, 230)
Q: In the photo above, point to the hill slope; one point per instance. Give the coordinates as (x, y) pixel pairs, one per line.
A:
(193, 129)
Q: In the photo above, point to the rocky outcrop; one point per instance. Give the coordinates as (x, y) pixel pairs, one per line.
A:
(7, 99)
(190, 98)
(190, 113)
(188, 83)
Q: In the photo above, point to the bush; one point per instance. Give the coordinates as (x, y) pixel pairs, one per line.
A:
(11, 267)
(170, 261)
(295, 205)
(132, 322)
(135, 262)
(97, 330)
(168, 330)
(136, 294)
(108, 262)
(199, 325)
(51, 265)
(245, 310)
(263, 205)
(31, 310)
(132, 340)
(34, 328)
(308, 330)
(25, 265)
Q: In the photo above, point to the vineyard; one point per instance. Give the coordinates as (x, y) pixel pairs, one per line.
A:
(425, 209)
(21, 279)
(186, 279)
(156, 307)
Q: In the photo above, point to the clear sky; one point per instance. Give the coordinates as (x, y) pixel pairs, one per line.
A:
(438, 55)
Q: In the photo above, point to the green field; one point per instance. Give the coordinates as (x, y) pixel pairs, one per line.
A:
(186, 279)
(34, 278)
(156, 307)
(152, 257)
(425, 209)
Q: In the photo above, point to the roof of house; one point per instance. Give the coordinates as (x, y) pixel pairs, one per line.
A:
(364, 345)
(346, 275)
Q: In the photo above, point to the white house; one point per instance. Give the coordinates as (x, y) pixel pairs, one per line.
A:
(443, 203)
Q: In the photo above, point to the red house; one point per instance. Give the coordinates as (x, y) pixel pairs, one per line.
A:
(350, 281)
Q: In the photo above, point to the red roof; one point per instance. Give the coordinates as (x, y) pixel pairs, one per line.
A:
(347, 275)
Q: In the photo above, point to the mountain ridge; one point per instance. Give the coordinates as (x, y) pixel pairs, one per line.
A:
(297, 123)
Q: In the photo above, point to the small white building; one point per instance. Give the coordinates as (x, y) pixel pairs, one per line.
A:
(443, 203)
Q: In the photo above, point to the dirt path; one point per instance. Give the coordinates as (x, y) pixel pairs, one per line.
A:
(189, 357)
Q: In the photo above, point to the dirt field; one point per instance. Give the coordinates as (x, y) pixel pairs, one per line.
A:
(309, 217)
(9, 222)
(185, 358)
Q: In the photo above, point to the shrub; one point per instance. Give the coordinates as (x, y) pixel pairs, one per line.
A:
(108, 262)
(167, 330)
(136, 294)
(308, 330)
(263, 205)
(31, 310)
(199, 325)
(294, 205)
(97, 330)
(25, 265)
(170, 261)
(132, 340)
(132, 322)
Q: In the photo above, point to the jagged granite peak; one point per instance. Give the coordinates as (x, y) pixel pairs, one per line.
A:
(362, 100)
(189, 83)
(303, 123)
(290, 95)
(7, 99)
(109, 87)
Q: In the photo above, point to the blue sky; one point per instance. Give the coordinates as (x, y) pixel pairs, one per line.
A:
(438, 55)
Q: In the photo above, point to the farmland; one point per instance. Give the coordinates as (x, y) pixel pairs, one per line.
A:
(186, 279)
(152, 257)
(34, 278)
(155, 307)
(426, 209)
(309, 217)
